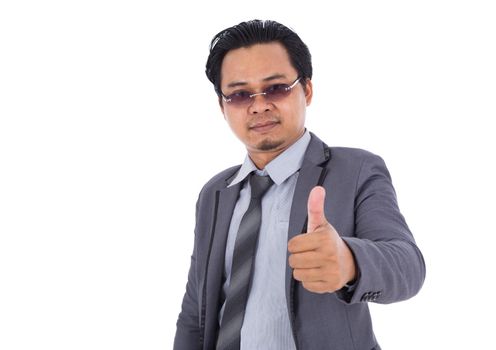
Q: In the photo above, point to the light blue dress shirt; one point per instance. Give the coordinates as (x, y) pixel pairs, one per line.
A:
(266, 324)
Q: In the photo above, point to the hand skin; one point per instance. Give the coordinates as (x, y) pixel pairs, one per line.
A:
(320, 259)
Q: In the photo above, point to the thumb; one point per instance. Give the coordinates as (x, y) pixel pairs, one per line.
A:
(316, 216)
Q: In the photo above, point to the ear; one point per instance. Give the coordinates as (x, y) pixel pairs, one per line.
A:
(308, 91)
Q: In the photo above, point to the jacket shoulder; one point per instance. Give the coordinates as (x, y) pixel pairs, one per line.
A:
(220, 180)
(351, 158)
(349, 153)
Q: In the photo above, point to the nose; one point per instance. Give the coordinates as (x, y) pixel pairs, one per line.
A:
(259, 104)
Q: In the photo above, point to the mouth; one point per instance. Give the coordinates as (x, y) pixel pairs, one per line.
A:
(263, 127)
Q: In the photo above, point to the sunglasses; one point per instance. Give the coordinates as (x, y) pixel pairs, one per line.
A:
(271, 93)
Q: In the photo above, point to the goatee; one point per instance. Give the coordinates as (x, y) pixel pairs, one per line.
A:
(269, 145)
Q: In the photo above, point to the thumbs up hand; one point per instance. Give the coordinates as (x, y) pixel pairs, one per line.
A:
(320, 259)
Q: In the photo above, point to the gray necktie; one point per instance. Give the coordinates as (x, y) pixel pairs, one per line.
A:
(242, 267)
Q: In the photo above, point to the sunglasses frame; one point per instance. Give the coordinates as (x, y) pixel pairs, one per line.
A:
(287, 89)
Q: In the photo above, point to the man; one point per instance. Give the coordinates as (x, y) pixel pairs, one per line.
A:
(291, 245)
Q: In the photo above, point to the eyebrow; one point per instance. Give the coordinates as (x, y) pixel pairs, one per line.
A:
(244, 83)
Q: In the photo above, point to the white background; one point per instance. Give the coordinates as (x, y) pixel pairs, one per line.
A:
(109, 128)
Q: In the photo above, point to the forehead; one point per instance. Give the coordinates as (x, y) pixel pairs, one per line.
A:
(255, 63)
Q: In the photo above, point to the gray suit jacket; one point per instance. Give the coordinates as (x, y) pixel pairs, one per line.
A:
(361, 204)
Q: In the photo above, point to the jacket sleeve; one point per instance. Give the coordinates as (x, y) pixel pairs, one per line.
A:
(188, 331)
(391, 267)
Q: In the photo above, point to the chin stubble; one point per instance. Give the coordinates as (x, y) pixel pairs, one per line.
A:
(268, 145)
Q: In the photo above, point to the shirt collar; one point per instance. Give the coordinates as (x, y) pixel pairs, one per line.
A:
(281, 167)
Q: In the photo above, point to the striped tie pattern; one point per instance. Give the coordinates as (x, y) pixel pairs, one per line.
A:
(242, 267)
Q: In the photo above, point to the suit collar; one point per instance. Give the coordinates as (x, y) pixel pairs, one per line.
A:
(317, 152)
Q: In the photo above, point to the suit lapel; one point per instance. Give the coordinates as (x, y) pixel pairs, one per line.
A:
(227, 200)
(308, 178)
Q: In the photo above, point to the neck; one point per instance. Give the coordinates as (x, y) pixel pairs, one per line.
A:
(261, 159)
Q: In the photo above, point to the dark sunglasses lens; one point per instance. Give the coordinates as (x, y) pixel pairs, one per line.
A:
(277, 91)
(239, 98)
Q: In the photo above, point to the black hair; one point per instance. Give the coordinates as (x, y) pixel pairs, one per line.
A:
(253, 32)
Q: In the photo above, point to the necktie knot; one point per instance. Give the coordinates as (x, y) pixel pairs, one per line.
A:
(259, 185)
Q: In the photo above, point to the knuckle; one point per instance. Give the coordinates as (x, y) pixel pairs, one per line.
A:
(330, 261)
(290, 246)
(292, 260)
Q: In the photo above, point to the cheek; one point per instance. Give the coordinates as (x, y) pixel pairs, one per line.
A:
(234, 122)
(295, 115)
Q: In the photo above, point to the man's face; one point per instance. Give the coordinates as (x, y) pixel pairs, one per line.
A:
(264, 125)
